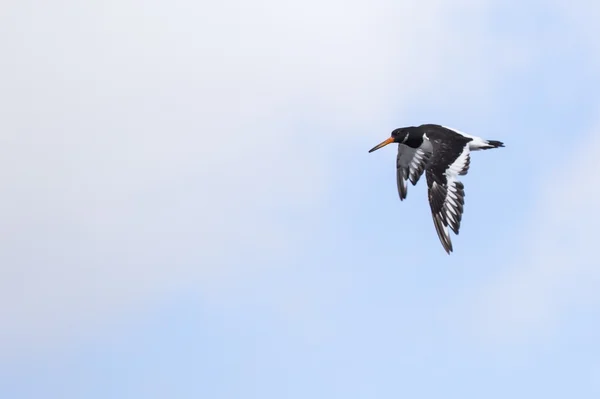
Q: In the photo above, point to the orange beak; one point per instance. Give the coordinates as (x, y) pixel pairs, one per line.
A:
(382, 144)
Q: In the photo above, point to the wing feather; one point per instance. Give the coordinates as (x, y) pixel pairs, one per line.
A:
(410, 165)
(446, 192)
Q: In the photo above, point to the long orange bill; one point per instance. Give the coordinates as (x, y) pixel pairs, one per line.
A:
(382, 144)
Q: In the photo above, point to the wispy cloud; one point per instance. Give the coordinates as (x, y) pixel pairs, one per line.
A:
(146, 147)
(558, 267)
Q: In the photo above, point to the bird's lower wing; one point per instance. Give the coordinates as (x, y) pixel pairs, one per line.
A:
(446, 192)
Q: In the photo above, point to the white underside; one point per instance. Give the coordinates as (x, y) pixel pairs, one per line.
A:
(477, 144)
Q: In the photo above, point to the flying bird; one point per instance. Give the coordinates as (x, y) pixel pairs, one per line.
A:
(444, 155)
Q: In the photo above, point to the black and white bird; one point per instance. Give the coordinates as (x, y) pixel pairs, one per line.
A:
(444, 155)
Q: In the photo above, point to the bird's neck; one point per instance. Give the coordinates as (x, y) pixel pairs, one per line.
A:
(414, 140)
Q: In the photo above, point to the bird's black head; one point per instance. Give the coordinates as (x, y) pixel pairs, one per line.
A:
(400, 135)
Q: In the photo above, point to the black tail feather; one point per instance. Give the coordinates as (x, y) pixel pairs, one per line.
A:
(495, 144)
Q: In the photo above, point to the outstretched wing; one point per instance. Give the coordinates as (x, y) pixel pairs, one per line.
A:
(410, 164)
(446, 192)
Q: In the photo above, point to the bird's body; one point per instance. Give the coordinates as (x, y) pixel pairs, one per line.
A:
(444, 155)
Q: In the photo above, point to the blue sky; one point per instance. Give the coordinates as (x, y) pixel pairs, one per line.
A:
(189, 208)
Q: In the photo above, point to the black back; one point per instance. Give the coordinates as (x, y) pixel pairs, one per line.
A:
(447, 146)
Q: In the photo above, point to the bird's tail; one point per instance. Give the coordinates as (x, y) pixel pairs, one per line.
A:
(492, 144)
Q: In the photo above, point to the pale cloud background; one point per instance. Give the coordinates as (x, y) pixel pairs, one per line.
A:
(147, 145)
(557, 271)
(188, 207)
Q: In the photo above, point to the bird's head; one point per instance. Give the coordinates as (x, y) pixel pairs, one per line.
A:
(399, 135)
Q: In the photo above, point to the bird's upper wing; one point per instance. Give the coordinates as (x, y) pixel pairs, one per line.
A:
(446, 192)
(410, 164)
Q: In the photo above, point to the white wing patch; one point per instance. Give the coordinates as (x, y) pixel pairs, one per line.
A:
(460, 166)
(453, 205)
(447, 200)
(455, 193)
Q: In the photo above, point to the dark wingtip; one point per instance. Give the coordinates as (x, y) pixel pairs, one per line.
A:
(442, 234)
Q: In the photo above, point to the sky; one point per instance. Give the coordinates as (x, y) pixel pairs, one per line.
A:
(188, 208)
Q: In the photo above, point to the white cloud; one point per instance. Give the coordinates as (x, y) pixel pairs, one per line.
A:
(147, 146)
(558, 268)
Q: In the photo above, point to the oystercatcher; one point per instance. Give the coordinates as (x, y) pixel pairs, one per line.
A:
(443, 153)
